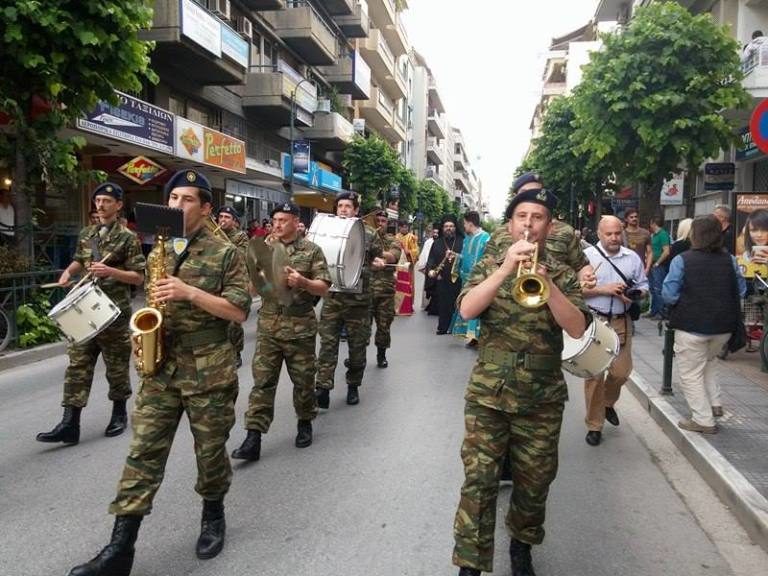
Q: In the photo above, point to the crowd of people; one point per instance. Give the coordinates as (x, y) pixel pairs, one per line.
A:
(514, 401)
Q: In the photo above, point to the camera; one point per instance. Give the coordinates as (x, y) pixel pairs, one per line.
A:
(633, 293)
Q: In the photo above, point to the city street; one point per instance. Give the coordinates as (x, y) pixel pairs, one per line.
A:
(375, 494)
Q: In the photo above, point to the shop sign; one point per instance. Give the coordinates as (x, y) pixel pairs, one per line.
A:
(141, 169)
(132, 120)
(201, 27)
(672, 191)
(315, 177)
(294, 84)
(747, 149)
(719, 176)
(206, 146)
(234, 46)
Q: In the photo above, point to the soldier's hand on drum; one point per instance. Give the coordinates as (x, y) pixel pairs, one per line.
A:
(294, 278)
(100, 270)
(520, 251)
(64, 278)
(378, 263)
(171, 289)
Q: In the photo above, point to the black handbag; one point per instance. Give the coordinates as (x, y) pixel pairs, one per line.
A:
(634, 309)
(738, 338)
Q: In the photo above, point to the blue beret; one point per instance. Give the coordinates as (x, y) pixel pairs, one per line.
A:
(288, 208)
(353, 196)
(537, 196)
(526, 178)
(229, 210)
(194, 178)
(108, 189)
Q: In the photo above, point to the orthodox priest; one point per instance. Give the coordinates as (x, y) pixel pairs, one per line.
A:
(444, 252)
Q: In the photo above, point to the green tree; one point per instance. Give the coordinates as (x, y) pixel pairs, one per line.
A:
(373, 167)
(650, 102)
(59, 59)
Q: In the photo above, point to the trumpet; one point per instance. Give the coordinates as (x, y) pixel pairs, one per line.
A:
(530, 290)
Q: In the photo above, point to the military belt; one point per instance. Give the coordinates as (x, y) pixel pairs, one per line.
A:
(288, 310)
(525, 360)
(199, 338)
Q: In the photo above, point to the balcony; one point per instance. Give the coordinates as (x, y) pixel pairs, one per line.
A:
(395, 84)
(357, 24)
(755, 69)
(377, 54)
(383, 12)
(436, 125)
(196, 52)
(350, 75)
(264, 4)
(434, 96)
(267, 96)
(434, 151)
(461, 181)
(396, 132)
(397, 38)
(379, 112)
(432, 173)
(339, 7)
(303, 30)
(332, 130)
(554, 88)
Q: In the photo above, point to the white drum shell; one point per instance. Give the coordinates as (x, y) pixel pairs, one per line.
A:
(83, 313)
(593, 353)
(343, 243)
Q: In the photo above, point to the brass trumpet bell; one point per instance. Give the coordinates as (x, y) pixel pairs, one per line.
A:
(530, 290)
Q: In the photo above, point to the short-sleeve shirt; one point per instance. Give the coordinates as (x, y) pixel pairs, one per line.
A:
(637, 240)
(658, 241)
(125, 254)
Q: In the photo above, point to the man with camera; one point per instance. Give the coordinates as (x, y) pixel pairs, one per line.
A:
(621, 285)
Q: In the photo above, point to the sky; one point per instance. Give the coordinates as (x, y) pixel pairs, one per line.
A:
(488, 59)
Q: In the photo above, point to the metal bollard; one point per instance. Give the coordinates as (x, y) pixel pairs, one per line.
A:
(669, 354)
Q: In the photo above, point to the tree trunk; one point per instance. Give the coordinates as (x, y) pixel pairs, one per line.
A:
(22, 205)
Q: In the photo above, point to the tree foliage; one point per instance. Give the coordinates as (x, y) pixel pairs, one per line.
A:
(373, 168)
(651, 101)
(60, 59)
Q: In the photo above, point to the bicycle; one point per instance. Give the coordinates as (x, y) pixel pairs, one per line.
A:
(6, 327)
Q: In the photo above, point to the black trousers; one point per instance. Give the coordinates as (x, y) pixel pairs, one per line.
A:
(447, 292)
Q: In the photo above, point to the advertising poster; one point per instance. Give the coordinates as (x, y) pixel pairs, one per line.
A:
(672, 191)
(189, 140)
(141, 169)
(750, 224)
(301, 157)
(206, 146)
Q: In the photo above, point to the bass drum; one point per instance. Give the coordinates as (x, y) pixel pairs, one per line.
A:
(593, 353)
(343, 243)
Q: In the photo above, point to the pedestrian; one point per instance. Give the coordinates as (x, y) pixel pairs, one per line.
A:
(301, 229)
(723, 215)
(7, 218)
(93, 217)
(442, 256)
(703, 288)
(428, 297)
(635, 237)
(350, 310)
(112, 255)
(286, 333)
(621, 281)
(228, 220)
(383, 288)
(682, 241)
(656, 270)
(516, 392)
(471, 252)
(196, 378)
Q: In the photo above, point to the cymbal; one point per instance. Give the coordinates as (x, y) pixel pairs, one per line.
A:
(266, 268)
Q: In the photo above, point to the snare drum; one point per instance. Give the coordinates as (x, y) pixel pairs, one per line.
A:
(84, 312)
(593, 353)
(343, 243)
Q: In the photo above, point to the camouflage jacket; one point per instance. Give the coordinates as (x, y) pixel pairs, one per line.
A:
(562, 244)
(383, 281)
(126, 253)
(519, 348)
(239, 239)
(297, 320)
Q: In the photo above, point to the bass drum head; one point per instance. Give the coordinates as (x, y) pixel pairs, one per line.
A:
(343, 243)
(354, 254)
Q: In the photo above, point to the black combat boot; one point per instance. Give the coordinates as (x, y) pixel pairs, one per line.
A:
(353, 396)
(116, 559)
(323, 396)
(67, 431)
(381, 357)
(464, 571)
(304, 437)
(212, 530)
(520, 555)
(250, 449)
(118, 421)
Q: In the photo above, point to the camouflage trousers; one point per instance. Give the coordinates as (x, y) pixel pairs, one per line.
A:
(299, 356)
(337, 313)
(383, 313)
(114, 345)
(236, 336)
(530, 437)
(156, 415)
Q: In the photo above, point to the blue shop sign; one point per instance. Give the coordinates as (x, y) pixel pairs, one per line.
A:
(315, 177)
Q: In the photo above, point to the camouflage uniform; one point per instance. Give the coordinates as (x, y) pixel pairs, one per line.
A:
(383, 289)
(236, 334)
(352, 310)
(514, 406)
(198, 377)
(287, 333)
(114, 343)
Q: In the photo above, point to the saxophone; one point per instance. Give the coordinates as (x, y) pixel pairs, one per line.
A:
(146, 324)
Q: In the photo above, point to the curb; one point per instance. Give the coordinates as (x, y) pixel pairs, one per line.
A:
(24, 357)
(747, 504)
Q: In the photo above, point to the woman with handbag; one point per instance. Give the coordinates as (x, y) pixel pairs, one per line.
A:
(704, 288)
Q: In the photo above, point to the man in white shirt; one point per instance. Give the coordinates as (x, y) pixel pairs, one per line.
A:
(7, 218)
(610, 301)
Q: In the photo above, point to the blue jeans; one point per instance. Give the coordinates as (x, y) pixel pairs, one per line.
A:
(656, 280)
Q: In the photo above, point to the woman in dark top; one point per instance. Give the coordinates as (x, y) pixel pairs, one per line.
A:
(683, 239)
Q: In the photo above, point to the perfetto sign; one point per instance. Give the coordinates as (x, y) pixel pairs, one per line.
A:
(201, 144)
(141, 169)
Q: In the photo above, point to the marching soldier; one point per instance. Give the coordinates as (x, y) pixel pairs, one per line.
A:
(516, 393)
(383, 288)
(229, 221)
(204, 287)
(112, 254)
(350, 310)
(286, 333)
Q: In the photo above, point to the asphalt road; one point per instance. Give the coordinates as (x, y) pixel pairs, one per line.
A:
(375, 494)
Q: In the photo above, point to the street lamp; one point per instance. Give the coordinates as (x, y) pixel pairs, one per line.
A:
(293, 118)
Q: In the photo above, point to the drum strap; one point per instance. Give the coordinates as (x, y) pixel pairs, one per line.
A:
(544, 362)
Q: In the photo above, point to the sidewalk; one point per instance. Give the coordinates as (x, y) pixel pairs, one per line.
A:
(735, 461)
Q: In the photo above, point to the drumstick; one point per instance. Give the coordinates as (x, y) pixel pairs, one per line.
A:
(598, 266)
(55, 285)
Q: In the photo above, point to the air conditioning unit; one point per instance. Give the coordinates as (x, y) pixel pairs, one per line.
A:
(245, 27)
(220, 8)
(323, 105)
